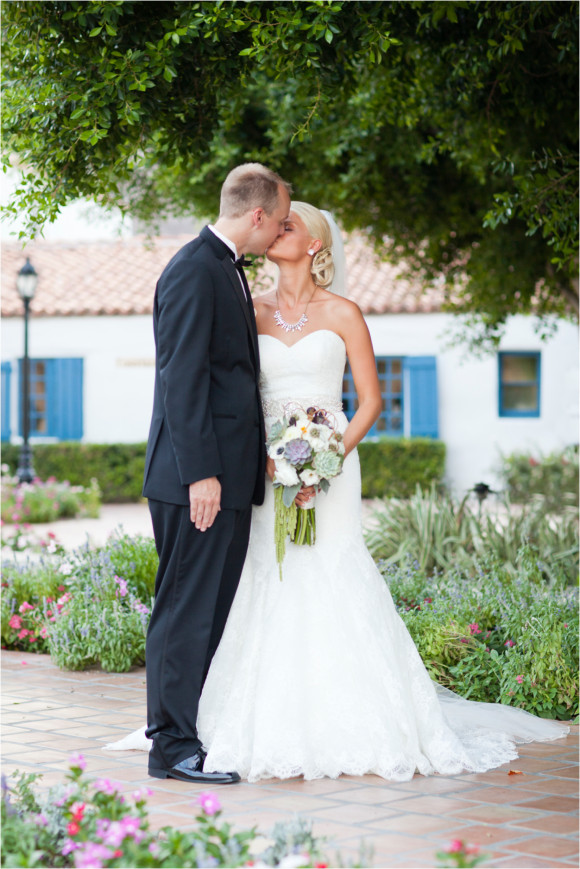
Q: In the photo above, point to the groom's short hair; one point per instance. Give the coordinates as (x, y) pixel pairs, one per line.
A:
(250, 186)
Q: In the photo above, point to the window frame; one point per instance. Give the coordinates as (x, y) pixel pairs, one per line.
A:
(385, 415)
(520, 414)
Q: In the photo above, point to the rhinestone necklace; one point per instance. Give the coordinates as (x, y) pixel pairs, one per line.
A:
(291, 327)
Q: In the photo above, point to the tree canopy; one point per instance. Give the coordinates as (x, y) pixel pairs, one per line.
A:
(447, 130)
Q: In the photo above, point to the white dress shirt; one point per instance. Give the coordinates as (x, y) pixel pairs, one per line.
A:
(233, 249)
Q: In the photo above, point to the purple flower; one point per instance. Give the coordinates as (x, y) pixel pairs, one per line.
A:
(91, 855)
(115, 834)
(297, 451)
(122, 583)
(41, 820)
(209, 803)
(68, 847)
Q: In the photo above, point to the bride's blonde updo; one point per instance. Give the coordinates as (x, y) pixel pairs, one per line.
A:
(322, 267)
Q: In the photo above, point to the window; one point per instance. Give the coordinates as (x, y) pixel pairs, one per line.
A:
(519, 384)
(56, 398)
(390, 372)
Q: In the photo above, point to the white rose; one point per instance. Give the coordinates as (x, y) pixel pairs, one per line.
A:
(285, 474)
(309, 477)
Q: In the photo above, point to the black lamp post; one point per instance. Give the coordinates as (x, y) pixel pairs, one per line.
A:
(26, 283)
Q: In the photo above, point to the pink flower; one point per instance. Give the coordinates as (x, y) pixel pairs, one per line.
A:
(565, 624)
(141, 794)
(41, 820)
(78, 760)
(209, 803)
(455, 846)
(23, 633)
(77, 811)
(32, 638)
(24, 607)
(474, 628)
(104, 785)
(463, 640)
(519, 679)
(15, 622)
(15, 517)
(509, 643)
(73, 828)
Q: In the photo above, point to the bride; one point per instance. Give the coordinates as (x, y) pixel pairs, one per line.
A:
(317, 675)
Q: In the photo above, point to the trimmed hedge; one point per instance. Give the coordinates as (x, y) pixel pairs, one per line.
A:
(118, 468)
(390, 467)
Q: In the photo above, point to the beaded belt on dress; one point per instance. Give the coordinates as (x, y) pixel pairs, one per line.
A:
(277, 407)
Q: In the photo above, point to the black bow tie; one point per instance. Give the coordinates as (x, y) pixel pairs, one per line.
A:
(241, 261)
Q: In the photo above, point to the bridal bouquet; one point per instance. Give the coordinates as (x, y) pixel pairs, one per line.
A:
(308, 450)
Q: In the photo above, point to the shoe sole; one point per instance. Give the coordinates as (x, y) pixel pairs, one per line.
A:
(202, 778)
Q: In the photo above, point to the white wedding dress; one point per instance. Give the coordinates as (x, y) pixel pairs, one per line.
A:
(317, 675)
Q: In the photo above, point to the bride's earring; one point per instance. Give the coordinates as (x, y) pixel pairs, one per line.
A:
(311, 252)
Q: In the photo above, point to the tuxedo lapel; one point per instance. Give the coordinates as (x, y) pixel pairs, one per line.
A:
(223, 255)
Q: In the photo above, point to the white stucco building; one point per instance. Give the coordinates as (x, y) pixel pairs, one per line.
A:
(92, 351)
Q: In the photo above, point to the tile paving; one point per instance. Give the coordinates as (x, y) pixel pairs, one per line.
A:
(528, 820)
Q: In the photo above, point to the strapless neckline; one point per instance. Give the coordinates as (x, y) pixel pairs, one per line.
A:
(300, 340)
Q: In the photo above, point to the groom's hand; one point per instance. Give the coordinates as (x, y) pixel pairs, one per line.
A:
(204, 502)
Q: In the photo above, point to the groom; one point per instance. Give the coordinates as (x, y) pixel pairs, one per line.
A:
(205, 463)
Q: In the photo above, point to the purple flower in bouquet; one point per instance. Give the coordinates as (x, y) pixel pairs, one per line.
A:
(297, 451)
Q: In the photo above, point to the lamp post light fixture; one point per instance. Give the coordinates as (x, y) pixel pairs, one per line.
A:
(26, 284)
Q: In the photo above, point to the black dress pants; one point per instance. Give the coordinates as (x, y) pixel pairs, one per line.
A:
(194, 589)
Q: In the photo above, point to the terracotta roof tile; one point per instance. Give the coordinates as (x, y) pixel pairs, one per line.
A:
(118, 277)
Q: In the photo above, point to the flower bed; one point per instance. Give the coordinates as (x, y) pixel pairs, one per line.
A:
(90, 824)
(501, 638)
(91, 607)
(87, 823)
(498, 637)
(46, 501)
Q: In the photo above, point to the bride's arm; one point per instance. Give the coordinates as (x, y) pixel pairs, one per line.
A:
(361, 357)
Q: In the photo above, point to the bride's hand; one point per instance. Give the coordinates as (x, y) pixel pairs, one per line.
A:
(270, 467)
(305, 494)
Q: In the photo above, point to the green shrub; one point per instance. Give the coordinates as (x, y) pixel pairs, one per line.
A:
(389, 466)
(554, 477)
(394, 467)
(442, 533)
(498, 637)
(118, 468)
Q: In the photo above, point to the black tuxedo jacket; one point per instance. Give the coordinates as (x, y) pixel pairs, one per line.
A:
(207, 417)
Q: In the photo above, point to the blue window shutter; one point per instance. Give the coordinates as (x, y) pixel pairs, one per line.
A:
(65, 396)
(421, 379)
(6, 379)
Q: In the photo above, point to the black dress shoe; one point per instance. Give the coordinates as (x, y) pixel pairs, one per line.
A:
(191, 770)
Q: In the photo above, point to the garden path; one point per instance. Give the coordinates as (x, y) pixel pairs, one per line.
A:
(524, 820)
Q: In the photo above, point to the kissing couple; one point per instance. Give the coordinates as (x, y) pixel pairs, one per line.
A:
(249, 677)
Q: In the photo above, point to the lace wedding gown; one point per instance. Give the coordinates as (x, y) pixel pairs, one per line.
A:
(317, 675)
